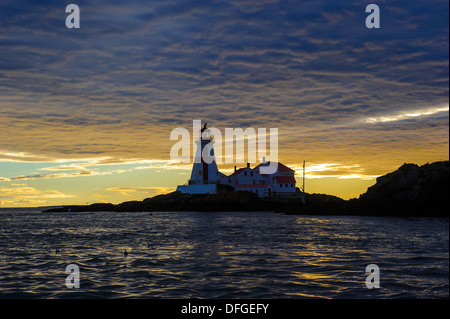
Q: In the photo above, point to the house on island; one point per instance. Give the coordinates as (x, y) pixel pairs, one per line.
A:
(205, 176)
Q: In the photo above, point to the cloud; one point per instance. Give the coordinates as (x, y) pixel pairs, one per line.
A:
(131, 190)
(115, 88)
(28, 196)
(411, 114)
(97, 167)
(336, 170)
(100, 197)
(81, 173)
(70, 167)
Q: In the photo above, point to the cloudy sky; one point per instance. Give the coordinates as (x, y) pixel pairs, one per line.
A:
(86, 114)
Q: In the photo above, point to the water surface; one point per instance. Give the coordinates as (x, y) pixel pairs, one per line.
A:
(220, 255)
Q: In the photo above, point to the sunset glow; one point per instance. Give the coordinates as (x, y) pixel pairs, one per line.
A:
(86, 114)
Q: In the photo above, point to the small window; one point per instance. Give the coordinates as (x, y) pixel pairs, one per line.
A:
(286, 185)
(200, 173)
(292, 185)
(281, 185)
(245, 173)
(251, 173)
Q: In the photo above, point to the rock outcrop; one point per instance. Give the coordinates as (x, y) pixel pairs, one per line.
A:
(411, 190)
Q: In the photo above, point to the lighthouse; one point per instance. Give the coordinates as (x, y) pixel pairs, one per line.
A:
(204, 170)
(204, 175)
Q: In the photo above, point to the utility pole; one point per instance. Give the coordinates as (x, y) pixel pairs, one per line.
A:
(303, 177)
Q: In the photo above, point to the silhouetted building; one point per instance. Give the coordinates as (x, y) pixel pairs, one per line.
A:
(205, 176)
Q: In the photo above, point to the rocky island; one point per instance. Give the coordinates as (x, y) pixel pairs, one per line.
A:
(411, 190)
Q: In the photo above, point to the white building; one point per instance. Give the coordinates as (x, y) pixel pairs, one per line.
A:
(205, 176)
(283, 180)
(280, 183)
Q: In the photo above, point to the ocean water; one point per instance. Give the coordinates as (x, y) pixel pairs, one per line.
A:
(220, 255)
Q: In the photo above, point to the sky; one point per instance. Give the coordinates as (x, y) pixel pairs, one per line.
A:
(86, 114)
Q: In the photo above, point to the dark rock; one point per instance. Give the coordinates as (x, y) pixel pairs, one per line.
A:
(409, 191)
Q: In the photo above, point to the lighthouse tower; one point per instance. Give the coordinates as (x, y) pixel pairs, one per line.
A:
(204, 175)
(204, 170)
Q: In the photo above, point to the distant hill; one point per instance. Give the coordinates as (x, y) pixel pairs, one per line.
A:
(409, 191)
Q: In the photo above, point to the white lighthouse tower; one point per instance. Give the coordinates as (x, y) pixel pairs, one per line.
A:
(204, 170)
(204, 176)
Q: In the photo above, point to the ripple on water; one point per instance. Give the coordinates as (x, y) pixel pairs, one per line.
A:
(220, 255)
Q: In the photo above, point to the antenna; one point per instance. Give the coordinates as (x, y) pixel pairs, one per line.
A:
(303, 176)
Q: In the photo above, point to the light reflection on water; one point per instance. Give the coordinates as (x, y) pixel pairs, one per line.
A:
(220, 255)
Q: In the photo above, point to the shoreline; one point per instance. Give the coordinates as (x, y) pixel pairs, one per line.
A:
(410, 191)
(316, 204)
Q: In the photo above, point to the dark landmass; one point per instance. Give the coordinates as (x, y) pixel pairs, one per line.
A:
(411, 190)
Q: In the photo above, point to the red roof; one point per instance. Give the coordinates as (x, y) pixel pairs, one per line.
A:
(281, 167)
(285, 179)
(252, 186)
